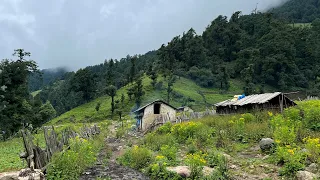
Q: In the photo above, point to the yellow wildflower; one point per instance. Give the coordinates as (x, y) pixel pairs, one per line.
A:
(291, 151)
(159, 157)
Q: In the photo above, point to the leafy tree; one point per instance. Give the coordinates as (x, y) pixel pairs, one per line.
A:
(83, 82)
(15, 105)
(171, 80)
(110, 73)
(98, 106)
(298, 11)
(138, 93)
(130, 93)
(133, 68)
(223, 78)
(47, 112)
(122, 100)
(112, 92)
(153, 76)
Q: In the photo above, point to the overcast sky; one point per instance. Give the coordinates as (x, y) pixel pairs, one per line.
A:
(78, 33)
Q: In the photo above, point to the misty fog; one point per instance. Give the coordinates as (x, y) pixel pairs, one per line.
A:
(78, 33)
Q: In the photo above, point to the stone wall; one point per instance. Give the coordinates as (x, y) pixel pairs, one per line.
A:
(149, 116)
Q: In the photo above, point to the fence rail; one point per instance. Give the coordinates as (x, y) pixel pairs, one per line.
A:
(182, 117)
(38, 158)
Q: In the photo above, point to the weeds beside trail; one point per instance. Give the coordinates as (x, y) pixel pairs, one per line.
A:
(106, 166)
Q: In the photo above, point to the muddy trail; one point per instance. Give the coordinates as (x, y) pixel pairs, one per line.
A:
(107, 167)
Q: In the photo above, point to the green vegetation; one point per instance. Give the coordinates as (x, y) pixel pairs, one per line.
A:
(182, 96)
(298, 11)
(13, 147)
(10, 151)
(34, 93)
(248, 54)
(17, 107)
(10, 159)
(81, 155)
(301, 25)
(37, 81)
(205, 142)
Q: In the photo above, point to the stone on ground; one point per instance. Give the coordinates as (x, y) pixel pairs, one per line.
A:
(184, 171)
(266, 144)
(305, 175)
(312, 168)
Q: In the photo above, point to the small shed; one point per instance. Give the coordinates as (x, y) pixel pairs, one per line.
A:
(155, 113)
(275, 101)
(184, 109)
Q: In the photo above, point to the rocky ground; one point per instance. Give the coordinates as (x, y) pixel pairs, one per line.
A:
(107, 167)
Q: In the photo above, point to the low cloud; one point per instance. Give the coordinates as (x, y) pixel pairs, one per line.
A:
(78, 33)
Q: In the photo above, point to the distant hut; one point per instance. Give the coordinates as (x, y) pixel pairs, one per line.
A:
(155, 113)
(273, 101)
(184, 109)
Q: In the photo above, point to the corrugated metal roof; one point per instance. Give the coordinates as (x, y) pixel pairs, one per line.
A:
(158, 100)
(252, 99)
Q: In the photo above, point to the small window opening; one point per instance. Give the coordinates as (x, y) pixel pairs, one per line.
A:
(156, 109)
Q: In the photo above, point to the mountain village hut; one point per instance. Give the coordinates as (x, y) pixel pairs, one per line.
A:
(184, 109)
(273, 101)
(153, 114)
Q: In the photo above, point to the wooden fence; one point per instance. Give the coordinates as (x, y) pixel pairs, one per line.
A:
(38, 158)
(181, 117)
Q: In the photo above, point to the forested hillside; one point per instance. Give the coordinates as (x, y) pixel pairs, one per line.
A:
(45, 77)
(80, 87)
(256, 49)
(298, 11)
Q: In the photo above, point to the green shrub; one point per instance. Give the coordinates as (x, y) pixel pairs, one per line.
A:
(170, 152)
(293, 114)
(284, 130)
(293, 160)
(164, 129)
(136, 157)
(195, 163)
(213, 158)
(183, 131)
(312, 118)
(254, 131)
(313, 147)
(157, 170)
(221, 169)
(191, 146)
(155, 141)
(248, 117)
(204, 135)
(71, 163)
(120, 133)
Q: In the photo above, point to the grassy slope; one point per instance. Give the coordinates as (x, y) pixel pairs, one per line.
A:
(301, 25)
(10, 150)
(35, 93)
(182, 86)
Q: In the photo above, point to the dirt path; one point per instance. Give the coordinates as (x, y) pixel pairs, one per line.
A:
(111, 169)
